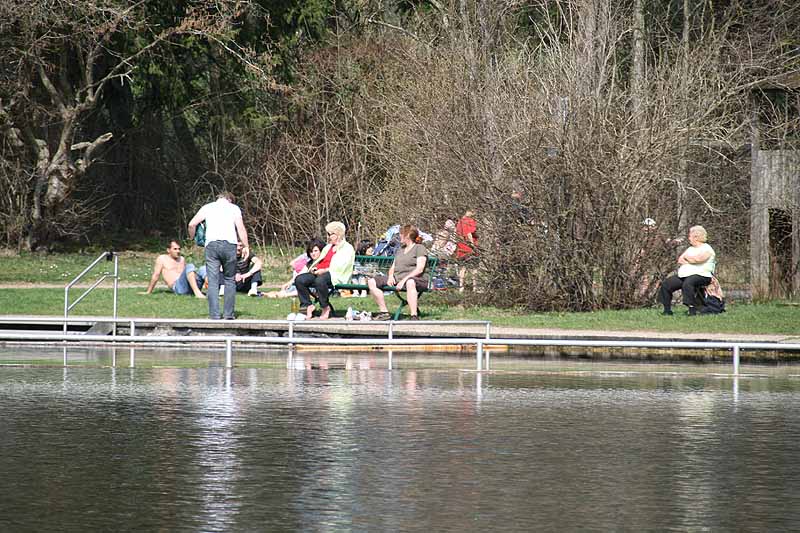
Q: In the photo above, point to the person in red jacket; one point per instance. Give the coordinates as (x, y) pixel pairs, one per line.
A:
(466, 250)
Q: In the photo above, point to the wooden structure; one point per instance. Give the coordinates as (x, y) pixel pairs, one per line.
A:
(774, 206)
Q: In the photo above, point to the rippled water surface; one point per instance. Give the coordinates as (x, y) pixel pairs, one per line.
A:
(375, 449)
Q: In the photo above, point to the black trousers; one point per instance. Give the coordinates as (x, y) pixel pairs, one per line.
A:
(321, 284)
(689, 287)
(244, 286)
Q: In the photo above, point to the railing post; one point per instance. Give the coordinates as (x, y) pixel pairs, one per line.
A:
(391, 329)
(488, 330)
(133, 336)
(66, 308)
(116, 286)
(735, 359)
(228, 354)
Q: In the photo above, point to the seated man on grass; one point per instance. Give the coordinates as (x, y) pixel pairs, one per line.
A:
(248, 272)
(180, 277)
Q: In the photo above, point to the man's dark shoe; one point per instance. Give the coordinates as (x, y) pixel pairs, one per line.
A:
(382, 316)
(413, 317)
(692, 310)
(667, 312)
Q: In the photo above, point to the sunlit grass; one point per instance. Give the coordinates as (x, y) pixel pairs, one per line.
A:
(772, 318)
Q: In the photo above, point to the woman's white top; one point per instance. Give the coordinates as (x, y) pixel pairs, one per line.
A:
(699, 269)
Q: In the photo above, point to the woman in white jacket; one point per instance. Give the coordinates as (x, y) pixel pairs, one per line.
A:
(696, 266)
(333, 266)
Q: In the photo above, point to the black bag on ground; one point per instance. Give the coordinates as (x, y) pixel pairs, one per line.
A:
(712, 306)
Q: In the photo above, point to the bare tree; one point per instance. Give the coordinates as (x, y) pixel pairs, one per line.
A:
(59, 58)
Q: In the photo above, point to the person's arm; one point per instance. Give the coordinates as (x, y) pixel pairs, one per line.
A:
(695, 257)
(255, 266)
(154, 278)
(196, 220)
(242, 233)
(390, 276)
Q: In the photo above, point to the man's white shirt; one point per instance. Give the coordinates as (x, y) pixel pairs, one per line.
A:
(220, 217)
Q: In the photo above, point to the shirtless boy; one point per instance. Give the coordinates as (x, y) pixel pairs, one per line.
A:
(180, 277)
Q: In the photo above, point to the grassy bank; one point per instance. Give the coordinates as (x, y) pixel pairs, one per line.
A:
(740, 318)
(136, 265)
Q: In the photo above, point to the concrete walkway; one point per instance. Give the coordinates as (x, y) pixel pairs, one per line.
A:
(340, 327)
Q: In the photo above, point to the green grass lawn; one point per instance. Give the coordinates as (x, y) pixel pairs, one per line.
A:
(772, 318)
(136, 265)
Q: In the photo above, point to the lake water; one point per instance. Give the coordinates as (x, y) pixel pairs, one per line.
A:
(369, 449)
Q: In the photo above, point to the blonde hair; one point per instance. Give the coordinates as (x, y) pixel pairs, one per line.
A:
(700, 232)
(336, 227)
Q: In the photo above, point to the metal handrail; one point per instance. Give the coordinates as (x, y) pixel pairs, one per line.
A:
(108, 256)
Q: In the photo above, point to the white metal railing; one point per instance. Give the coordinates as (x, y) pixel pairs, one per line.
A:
(108, 256)
(479, 343)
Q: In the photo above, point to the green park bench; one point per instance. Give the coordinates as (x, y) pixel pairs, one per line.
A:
(381, 264)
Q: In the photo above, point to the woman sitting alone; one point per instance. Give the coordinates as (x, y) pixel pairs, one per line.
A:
(333, 266)
(299, 265)
(696, 267)
(407, 272)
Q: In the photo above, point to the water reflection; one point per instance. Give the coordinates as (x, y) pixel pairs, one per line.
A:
(352, 445)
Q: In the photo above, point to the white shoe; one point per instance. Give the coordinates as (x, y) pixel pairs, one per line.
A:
(252, 292)
(291, 317)
(222, 291)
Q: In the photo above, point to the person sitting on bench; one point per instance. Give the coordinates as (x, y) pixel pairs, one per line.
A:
(696, 268)
(334, 266)
(407, 272)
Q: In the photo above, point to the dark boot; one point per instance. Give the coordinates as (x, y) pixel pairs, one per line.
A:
(692, 310)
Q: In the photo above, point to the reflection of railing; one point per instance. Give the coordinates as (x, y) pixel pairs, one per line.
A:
(481, 355)
(108, 256)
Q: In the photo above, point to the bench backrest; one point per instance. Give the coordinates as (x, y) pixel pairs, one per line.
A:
(383, 263)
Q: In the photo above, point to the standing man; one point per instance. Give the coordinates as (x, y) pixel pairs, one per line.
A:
(223, 221)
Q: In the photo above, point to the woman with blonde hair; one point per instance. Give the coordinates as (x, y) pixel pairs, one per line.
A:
(696, 266)
(333, 266)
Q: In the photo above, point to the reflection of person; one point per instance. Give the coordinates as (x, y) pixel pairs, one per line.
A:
(334, 266)
(248, 272)
(182, 278)
(696, 267)
(299, 266)
(406, 273)
(467, 231)
(224, 228)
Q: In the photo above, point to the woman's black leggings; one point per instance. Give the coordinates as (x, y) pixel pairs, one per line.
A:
(688, 286)
(322, 286)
